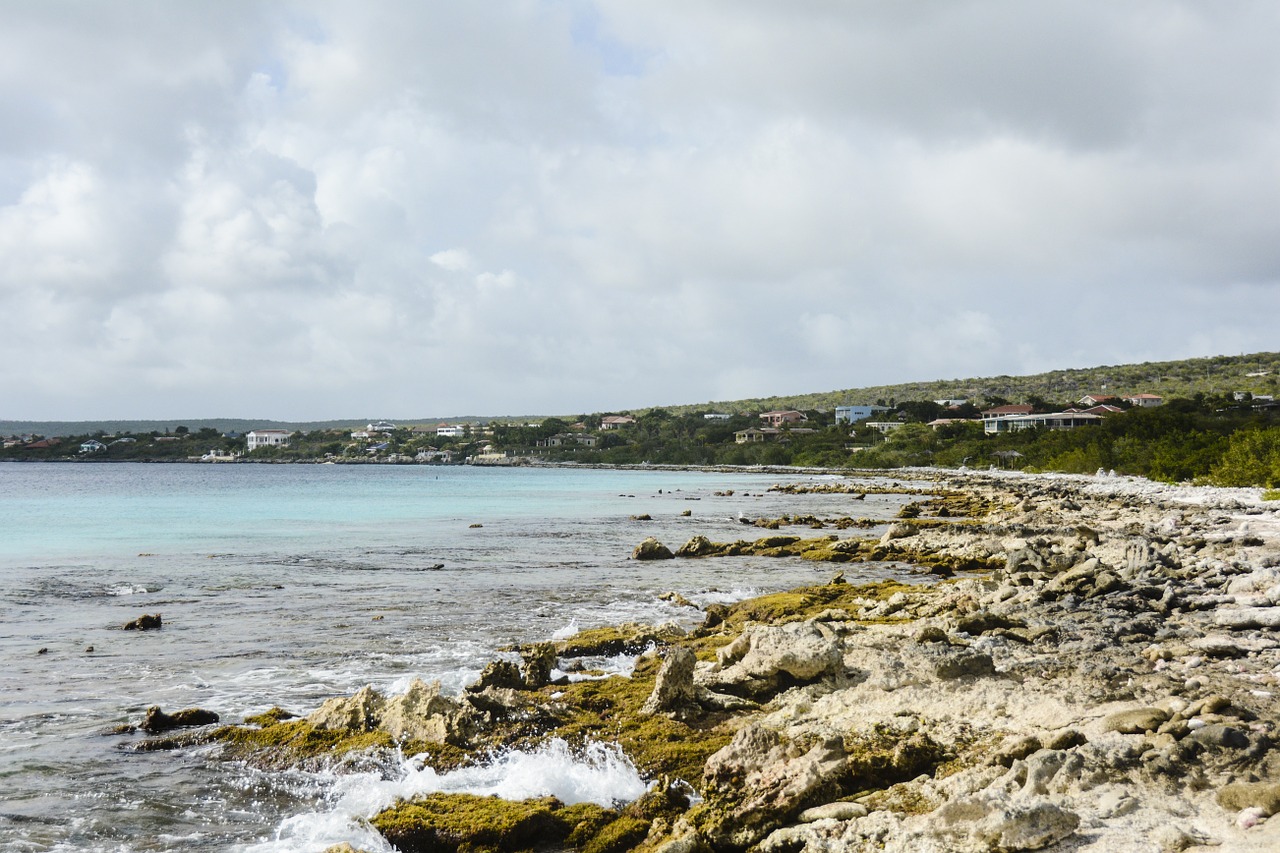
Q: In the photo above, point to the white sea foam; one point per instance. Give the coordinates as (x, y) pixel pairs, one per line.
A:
(128, 589)
(567, 631)
(600, 774)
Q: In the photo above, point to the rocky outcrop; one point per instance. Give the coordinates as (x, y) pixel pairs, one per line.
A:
(651, 549)
(1106, 681)
(421, 713)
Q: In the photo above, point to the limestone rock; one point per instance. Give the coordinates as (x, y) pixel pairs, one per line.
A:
(651, 549)
(539, 659)
(1135, 721)
(360, 712)
(764, 658)
(1245, 795)
(674, 692)
(1006, 825)
(698, 546)
(777, 784)
(833, 811)
(422, 713)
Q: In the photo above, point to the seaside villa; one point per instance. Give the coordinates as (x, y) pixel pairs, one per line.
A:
(267, 438)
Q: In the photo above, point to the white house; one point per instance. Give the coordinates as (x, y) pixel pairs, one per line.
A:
(451, 431)
(851, 414)
(615, 421)
(267, 438)
(1144, 401)
(92, 446)
(1055, 421)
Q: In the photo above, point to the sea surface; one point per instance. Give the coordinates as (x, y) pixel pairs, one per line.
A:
(288, 584)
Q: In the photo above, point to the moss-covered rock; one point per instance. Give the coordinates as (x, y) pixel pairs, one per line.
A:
(465, 823)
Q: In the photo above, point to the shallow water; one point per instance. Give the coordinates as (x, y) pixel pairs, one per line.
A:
(288, 584)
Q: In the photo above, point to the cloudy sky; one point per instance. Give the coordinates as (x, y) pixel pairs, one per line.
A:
(309, 210)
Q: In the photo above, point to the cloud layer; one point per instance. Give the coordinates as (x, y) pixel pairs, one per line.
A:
(325, 209)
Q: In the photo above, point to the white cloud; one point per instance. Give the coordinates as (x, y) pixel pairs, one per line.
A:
(314, 209)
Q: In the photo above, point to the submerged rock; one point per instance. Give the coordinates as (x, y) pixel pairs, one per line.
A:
(145, 622)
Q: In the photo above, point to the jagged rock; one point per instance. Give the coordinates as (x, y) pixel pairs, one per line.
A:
(145, 622)
(997, 824)
(651, 549)
(422, 713)
(539, 659)
(698, 546)
(774, 784)
(359, 713)
(502, 674)
(674, 692)
(764, 658)
(157, 721)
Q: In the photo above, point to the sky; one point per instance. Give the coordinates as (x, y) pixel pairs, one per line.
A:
(314, 210)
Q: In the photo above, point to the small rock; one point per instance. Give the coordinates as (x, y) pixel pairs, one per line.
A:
(833, 811)
(1135, 721)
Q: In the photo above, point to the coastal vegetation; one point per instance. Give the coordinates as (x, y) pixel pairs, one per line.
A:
(1224, 437)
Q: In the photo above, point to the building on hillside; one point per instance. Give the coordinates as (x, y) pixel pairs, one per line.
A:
(92, 446)
(615, 421)
(1012, 411)
(381, 426)
(716, 416)
(950, 404)
(1096, 399)
(941, 422)
(1144, 401)
(853, 414)
(267, 438)
(884, 427)
(451, 430)
(1054, 421)
(778, 418)
(749, 436)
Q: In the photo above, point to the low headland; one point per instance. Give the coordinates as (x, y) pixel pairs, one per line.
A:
(1086, 664)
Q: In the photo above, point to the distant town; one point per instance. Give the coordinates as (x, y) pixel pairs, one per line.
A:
(1031, 434)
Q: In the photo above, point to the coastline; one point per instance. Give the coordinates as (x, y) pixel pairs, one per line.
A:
(1108, 683)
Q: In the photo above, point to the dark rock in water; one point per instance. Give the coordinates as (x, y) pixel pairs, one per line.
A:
(145, 622)
(652, 549)
(157, 721)
(43, 650)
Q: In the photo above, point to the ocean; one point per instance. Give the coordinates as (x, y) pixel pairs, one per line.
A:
(288, 584)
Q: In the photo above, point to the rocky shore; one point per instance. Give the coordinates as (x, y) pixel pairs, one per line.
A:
(1088, 664)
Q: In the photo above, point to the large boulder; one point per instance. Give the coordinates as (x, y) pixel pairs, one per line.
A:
(758, 782)
(359, 713)
(766, 658)
(652, 549)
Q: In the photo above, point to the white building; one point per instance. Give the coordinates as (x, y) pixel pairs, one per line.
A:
(267, 438)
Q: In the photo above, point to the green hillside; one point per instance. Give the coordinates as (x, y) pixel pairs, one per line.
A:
(1214, 375)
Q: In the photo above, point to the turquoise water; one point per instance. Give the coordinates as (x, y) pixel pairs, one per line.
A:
(287, 584)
